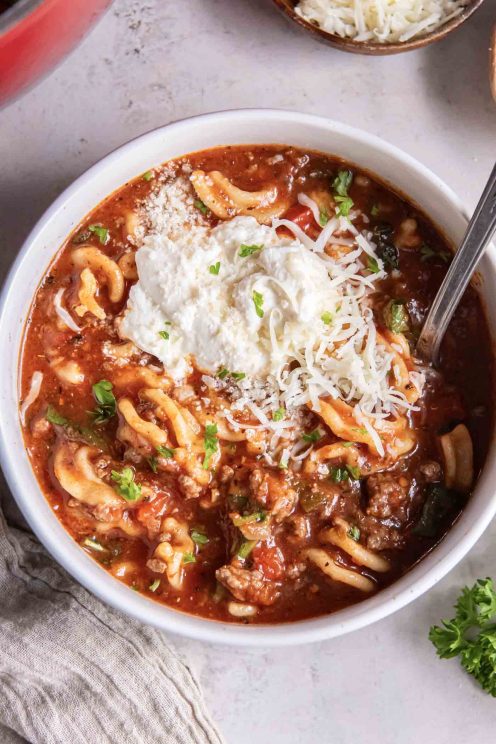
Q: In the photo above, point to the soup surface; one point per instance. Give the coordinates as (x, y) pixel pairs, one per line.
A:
(220, 397)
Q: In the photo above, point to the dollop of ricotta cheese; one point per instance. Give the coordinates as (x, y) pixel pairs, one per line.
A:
(199, 299)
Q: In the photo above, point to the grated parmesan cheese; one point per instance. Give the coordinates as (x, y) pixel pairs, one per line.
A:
(383, 21)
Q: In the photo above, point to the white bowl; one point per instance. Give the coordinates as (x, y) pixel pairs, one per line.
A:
(231, 127)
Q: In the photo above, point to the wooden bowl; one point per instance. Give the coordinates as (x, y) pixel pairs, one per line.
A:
(370, 47)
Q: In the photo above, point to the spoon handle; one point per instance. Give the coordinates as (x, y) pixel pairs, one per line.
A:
(479, 232)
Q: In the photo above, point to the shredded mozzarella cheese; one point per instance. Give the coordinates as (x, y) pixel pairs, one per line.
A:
(34, 391)
(384, 21)
(63, 314)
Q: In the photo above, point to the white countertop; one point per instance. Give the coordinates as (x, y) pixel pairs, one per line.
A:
(151, 61)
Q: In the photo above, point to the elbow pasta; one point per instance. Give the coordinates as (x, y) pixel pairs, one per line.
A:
(181, 420)
(330, 568)
(131, 225)
(458, 457)
(74, 470)
(338, 535)
(127, 265)
(225, 200)
(88, 290)
(87, 257)
(145, 430)
(175, 544)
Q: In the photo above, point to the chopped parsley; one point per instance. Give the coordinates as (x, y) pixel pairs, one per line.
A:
(396, 316)
(75, 430)
(427, 253)
(201, 206)
(345, 204)
(101, 233)
(154, 585)
(125, 485)
(354, 471)
(372, 265)
(258, 301)
(54, 417)
(106, 403)
(323, 217)
(152, 462)
(278, 415)
(259, 516)
(354, 533)
(360, 430)
(214, 268)
(165, 451)
(164, 334)
(326, 317)
(199, 537)
(374, 211)
(188, 558)
(471, 634)
(211, 444)
(340, 185)
(338, 474)
(248, 250)
(245, 548)
(224, 372)
(342, 182)
(313, 437)
(148, 175)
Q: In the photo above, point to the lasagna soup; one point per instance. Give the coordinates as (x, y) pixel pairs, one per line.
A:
(220, 393)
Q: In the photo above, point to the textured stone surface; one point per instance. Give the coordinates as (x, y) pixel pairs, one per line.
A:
(148, 63)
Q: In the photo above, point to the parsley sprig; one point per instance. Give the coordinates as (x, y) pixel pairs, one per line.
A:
(471, 634)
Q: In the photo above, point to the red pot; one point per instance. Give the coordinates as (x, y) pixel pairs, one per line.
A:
(36, 34)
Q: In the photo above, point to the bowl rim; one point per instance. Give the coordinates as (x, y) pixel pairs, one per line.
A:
(372, 47)
(97, 580)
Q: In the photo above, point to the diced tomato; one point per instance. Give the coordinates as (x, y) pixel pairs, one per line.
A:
(150, 512)
(269, 560)
(301, 216)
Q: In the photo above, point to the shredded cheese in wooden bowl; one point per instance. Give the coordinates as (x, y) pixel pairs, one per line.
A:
(380, 21)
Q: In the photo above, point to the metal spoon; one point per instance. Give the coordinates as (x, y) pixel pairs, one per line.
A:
(479, 232)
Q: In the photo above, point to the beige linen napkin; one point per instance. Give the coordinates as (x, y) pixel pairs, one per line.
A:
(73, 671)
